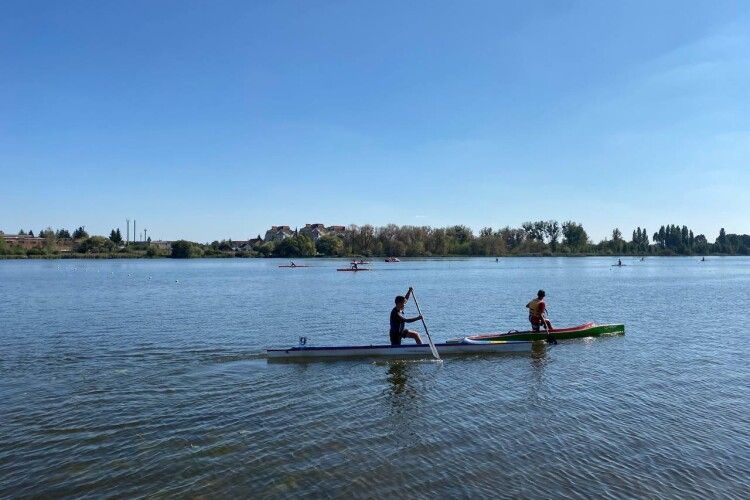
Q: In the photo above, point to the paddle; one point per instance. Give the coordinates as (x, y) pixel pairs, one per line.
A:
(432, 345)
(550, 338)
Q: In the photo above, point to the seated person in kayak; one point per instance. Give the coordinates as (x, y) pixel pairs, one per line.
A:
(398, 321)
(537, 308)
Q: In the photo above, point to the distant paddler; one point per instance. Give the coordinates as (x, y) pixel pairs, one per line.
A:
(292, 264)
(537, 308)
(619, 262)
(398, 321)
(354, 266)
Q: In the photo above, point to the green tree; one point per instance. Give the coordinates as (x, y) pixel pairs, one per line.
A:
(62, 233)
(330, 245)
(95, 244)
(183, 249)
(552, 230)
(266, 249)
(80, 233)
(721, 241)
(574, 236)
(295, 246)
(50, 240)
(701, 245)
(115, 236)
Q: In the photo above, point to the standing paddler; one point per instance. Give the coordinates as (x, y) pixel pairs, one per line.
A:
(537, 308)
(398, 321)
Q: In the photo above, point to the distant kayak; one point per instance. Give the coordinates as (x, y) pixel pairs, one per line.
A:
(353, 270)
(619, 265)
(294, 266)
(392, 259)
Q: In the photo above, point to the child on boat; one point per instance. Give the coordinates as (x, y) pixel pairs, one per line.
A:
(398, 321)
(537, 308)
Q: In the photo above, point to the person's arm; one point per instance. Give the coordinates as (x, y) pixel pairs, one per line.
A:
(408, 293)
(407, 320)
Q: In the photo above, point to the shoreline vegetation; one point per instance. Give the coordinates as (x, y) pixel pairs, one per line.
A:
(541, 238)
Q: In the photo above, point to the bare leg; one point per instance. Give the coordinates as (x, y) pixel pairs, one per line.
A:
(413, 335)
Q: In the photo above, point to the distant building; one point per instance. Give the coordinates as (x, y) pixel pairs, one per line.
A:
(64, 244)
(336, 230)
(313, 231)
(23, 241)
(278, 233)
(162, 245)
(246, 245)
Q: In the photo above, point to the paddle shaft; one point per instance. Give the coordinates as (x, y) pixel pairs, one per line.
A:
(429, 339)
(550, 338)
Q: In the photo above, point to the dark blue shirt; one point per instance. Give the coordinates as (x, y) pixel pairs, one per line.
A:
(397, 321)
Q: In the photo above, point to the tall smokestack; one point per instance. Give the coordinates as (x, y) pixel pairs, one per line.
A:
(134, 233)
(127, 235)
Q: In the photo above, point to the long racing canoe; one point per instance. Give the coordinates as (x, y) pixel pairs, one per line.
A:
(575, 332)
(402, 351)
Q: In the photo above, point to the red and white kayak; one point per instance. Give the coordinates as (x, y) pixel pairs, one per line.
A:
(574, 332)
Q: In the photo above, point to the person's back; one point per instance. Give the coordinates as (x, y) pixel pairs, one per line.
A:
(537, 307)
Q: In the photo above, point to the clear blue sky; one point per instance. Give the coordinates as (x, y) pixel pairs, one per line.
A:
(210, 120)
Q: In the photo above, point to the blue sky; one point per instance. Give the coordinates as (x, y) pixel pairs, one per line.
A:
(210, 120)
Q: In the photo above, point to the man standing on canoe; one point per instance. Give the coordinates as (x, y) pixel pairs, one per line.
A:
(537, 308)
(398, 321)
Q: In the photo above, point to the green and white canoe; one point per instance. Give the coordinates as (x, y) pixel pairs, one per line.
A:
(576, 332)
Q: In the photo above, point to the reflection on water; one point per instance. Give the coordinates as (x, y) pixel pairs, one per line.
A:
(397, 376)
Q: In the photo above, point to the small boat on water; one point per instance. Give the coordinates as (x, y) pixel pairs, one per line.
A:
(392, 259)
(575, 332)
(293, 266)
(398, 352)
(354, 269)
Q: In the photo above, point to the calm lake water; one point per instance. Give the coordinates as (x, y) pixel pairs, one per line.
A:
(149, 378)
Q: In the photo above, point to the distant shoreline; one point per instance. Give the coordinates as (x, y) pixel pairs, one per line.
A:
(117, 256)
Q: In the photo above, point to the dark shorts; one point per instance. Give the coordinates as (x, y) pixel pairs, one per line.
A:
(396, 337)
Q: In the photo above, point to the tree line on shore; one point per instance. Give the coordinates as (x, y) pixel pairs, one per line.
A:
(533, 238)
